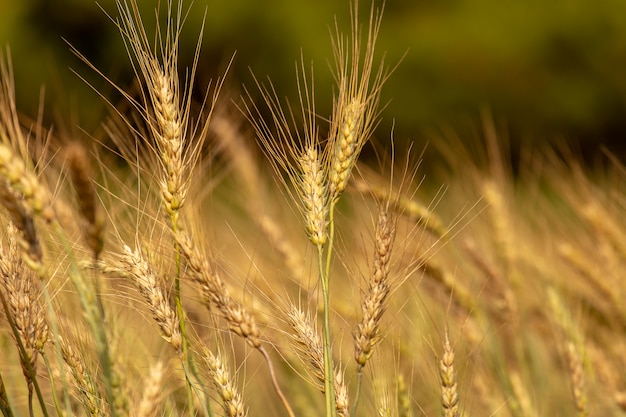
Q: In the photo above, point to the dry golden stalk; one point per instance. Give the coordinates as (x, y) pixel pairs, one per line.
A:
(233, 405)
(275, 234)
(314, 197)
(589, 270)
(449, 393)
(152, 391)
(84, 384)
(149, 286)
(367, 333)
(80, 172)
(214, 292)
(451, 285)
(577, 377)
(21, 290)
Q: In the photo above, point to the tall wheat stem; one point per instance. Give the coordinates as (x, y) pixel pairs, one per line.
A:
(329, 373)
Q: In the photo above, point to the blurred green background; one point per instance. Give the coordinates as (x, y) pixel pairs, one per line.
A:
(549, 69)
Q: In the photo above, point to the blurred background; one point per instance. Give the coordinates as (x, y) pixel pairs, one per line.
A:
(548, 71)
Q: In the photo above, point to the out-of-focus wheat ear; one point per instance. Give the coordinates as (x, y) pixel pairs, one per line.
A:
(27, 238)
(407, 207)
(21, 291)
(84, 382)
(152, 392)
(404, 398)
(214, 292)
(521, 404)
(577, 378)
(314, 195)
(574, 349)
(149, 285)
(246, 168)
(457, 291)
(367, 333)
(605, 225)
(503, 300)
(449, 392)
(222, 379)
(342, 400)
(503, 230)
(355, 110)
(25, 184)
(80, 173)
(276, 235)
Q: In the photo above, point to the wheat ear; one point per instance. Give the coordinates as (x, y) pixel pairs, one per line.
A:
(233, 405)
(149, 286)
(449, 394)
(214, 292)
(21, 292)
(84, 383)
(367, 333)
(152, 391)
(355, 111)
(310, 350)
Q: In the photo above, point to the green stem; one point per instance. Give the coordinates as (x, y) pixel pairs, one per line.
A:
(329, 369)
(357, 394)
(181, 315)
(95, 317)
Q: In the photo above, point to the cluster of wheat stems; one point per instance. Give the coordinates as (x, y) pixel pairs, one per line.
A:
(163, 275)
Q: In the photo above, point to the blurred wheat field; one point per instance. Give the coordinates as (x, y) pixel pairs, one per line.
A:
(235, 258)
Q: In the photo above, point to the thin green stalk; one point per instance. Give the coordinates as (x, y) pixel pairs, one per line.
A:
(94, 318)
(329, 373)
(187, 359)
(357, 394)
(55, 399)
